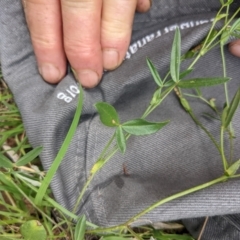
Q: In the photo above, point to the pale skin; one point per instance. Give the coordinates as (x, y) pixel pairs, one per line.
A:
(92, 35)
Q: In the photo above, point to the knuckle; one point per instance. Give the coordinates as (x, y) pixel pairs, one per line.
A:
(76, 4)
(74, 47)
(44, 41)
(117, 30)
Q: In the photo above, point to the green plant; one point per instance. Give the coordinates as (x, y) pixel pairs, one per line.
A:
(175, 80)
(23, 179)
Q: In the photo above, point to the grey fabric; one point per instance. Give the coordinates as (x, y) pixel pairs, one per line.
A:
(217, 227)
(177, 158)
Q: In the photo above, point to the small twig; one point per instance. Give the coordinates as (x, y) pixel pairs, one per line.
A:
(203, 228)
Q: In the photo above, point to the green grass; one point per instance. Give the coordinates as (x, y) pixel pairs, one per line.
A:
(19, 182)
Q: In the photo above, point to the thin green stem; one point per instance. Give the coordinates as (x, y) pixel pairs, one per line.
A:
(225, 164)
(134, 234)
(165, 78)
(82, 193)
(201, 98)
(227, 13)
(224, 74)
(231, 148)
(106, 147)
(235, 176)
(205, 130)
(163, 96)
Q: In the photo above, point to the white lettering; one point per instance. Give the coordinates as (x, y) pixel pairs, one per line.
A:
(185, 25)
(173, 27)
(133, 48)
(128, 55)
(72, 91)
(141, 42)
(150, 37)
(159, 34)
(64, 97)
(166, 30)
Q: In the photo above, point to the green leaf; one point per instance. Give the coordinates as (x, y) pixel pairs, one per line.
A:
(5, 162)
(30, 156)
(80, 228)
(142, 127)
(202, 82)
(33, 230)
(108, 114)
(235, 26)
(233, 169)
(176, 56)
(232, 108)
(154, 73)
(57, 161)
(121, 140)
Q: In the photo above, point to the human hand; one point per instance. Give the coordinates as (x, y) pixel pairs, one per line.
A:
(234, 48)
(92, 34)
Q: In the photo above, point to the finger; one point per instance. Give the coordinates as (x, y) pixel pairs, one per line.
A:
(44, 22)
(234, 48)
(117, 20)
(144, 5)
(81, 27)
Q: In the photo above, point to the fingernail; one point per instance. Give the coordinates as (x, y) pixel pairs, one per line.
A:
(110, 59)
(88, 78)
(49, 72)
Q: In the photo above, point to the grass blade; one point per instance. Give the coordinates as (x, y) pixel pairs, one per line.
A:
(51, 172)
(80, 228)
(30, 156)
(5, 162)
